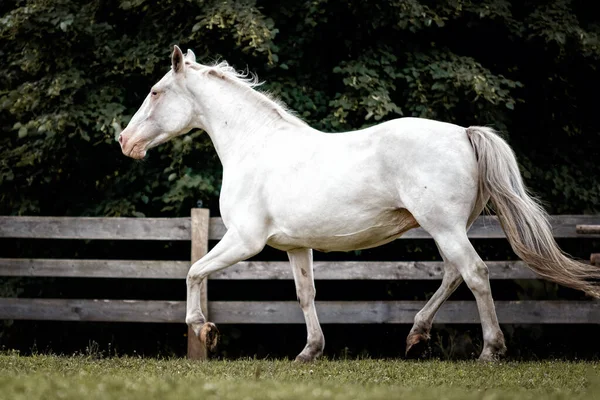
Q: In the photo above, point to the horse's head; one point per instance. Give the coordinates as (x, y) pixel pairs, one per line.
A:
(167, 111)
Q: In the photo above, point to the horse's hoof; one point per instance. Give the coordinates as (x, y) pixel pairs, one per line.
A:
(209, 336)
(492, 356)
(309, 354)
(416, 345)
(303, 358)
(489, 358)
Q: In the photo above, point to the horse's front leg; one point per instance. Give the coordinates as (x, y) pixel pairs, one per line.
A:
(230, 250)
(302, 268)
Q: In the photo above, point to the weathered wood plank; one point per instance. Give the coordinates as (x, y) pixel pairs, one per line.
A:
(485, 227)
(288, 312)
(92, 310)
(259, 270)
(94, 268)
(95, 228)
(403, 312)
(370, 270)
(565, 226)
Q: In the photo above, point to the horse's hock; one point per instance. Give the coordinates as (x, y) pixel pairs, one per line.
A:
(200, 228)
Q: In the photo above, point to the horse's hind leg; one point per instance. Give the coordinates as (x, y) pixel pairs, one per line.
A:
(302, 268)
(459, 252)
(418, 338)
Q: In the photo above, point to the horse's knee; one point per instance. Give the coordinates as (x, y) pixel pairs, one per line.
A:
(195, 274)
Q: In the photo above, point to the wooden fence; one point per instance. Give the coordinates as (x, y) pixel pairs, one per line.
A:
(200, 228)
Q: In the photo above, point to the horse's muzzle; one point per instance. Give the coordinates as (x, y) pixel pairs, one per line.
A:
(132, 151)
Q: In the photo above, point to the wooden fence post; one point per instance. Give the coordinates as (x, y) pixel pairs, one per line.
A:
(199, 224)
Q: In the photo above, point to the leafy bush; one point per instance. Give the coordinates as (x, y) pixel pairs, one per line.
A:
(72, 76)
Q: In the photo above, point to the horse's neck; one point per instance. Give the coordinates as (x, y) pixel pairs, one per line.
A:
(239, 120)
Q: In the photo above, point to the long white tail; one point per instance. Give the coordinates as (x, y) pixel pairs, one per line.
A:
(523, 219)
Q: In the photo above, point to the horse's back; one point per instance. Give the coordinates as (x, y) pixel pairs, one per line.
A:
(417, 150)
(418, 133)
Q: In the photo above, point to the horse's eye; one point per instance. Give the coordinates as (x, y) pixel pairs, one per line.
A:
(154, 93)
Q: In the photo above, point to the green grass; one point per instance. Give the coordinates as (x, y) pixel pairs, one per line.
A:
(87, 378)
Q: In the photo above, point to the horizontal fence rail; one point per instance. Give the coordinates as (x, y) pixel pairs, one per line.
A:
(367, 270)
(288, 312)
(257, 270)
(95, 228)
(99, 228)
(485, 227)
(146, 269)
(403, 312)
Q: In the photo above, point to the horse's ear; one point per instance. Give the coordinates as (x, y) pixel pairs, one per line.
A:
(177, 60)
(190, 56)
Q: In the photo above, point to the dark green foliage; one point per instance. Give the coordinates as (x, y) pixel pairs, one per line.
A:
(73, 73)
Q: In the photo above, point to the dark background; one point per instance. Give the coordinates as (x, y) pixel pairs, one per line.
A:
(73, 73)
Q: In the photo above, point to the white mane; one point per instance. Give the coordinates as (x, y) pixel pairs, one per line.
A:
(250, 80)
(246, 77)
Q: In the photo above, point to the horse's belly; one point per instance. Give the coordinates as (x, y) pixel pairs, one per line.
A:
(381, 230)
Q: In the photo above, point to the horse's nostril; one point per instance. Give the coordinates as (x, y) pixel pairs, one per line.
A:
(121, 139)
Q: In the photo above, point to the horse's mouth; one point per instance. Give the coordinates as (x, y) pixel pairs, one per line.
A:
(136, 152)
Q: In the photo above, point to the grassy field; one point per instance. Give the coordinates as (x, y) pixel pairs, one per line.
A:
(87, 378)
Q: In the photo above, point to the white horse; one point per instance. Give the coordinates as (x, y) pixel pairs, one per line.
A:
(294, 188)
